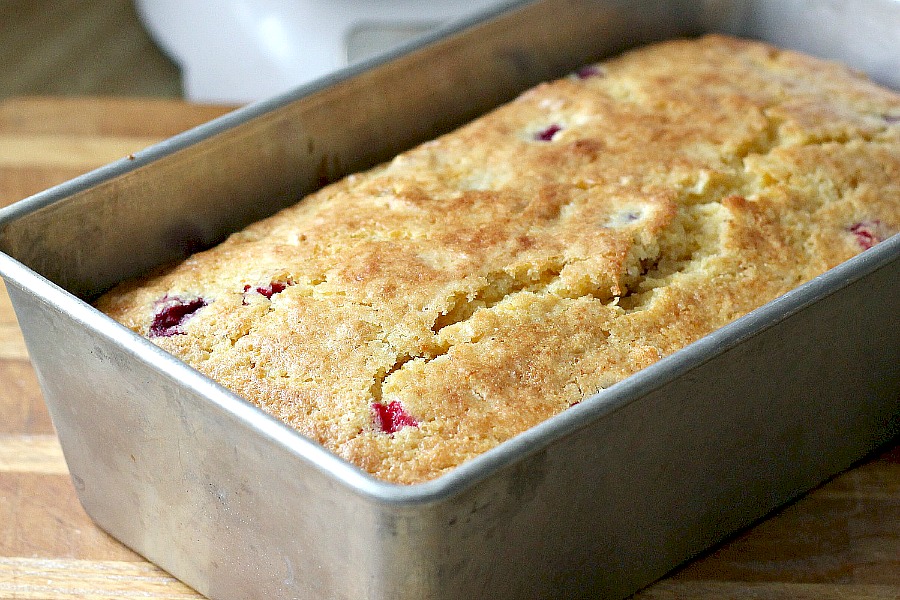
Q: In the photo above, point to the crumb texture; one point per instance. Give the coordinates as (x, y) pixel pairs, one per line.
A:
(416, 315)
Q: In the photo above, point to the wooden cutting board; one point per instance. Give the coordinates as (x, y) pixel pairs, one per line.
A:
(840, 541)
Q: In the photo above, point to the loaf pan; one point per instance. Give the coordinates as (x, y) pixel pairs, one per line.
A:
(595, 502)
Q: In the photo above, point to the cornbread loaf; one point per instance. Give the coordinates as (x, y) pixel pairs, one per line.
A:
(414, 316)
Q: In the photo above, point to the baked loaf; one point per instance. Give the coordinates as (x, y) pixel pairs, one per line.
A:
(414, 316)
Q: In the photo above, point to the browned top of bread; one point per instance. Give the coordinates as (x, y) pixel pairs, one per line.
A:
(413, 316)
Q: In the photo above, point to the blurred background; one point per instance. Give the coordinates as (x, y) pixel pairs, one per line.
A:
(207, 51)
(78, 48)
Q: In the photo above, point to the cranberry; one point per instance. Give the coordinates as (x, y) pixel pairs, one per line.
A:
(171, 314)
(546, 135)
(589, 71)
(867, 233)
(391, 418)
(270, 290)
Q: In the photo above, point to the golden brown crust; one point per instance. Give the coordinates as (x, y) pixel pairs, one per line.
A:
(490, 279)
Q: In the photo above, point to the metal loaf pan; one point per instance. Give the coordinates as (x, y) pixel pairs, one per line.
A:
(595, 502)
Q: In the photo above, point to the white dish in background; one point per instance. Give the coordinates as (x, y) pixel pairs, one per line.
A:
(235, 51)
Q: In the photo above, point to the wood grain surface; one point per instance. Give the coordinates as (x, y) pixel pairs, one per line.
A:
(840, 541)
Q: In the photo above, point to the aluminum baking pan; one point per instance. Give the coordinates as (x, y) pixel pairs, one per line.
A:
(595, 502)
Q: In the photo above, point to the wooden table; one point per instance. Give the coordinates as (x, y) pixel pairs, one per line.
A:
(840, 541)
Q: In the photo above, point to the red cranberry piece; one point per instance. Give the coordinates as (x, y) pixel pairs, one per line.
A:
(546, 135)
(589, 71)
(171, 314)
(868, 233)
(391, 417)
(270, 290)
(273, 288)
